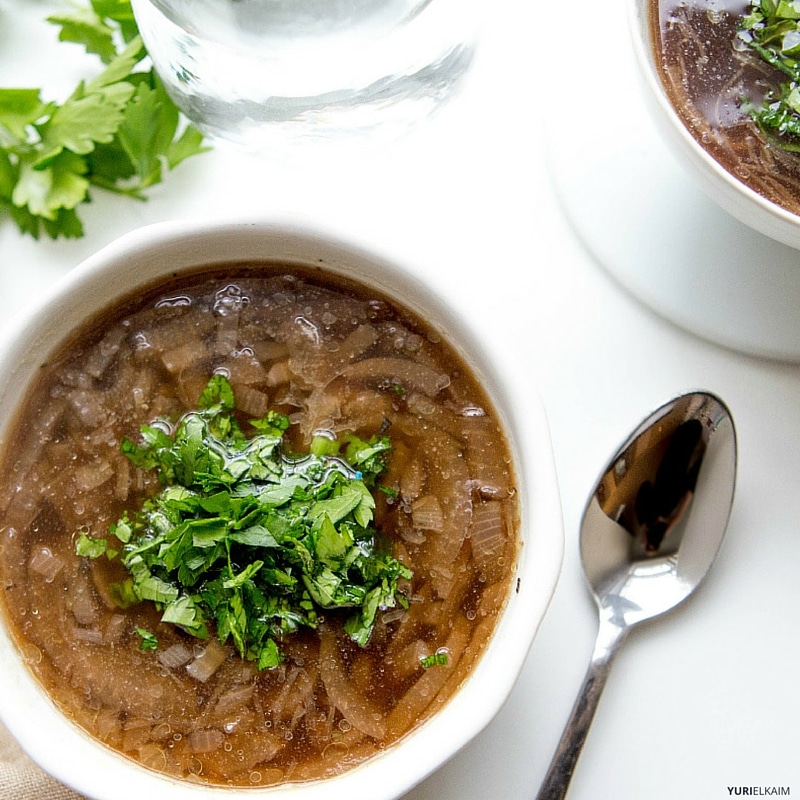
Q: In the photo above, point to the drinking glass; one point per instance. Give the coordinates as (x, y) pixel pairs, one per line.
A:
(251, 71)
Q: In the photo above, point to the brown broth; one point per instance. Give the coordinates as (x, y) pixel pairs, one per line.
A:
(334, 357)
(705, 77)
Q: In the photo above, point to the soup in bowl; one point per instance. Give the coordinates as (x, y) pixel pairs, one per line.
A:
(272, 521)
(719, 88)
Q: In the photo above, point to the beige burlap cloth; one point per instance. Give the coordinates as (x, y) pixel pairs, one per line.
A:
(21, 779)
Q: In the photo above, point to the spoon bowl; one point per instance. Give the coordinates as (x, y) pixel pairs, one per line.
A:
(650, 533)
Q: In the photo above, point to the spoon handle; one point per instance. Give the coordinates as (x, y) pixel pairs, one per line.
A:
(609, 637)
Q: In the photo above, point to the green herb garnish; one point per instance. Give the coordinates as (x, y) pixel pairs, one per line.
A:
(117, 131)
(437, 659)
(771, 30)
(248, 540)
(149, 640)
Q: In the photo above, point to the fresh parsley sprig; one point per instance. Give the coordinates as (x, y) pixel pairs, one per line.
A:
(771, 30)
(247, 540)
(117, 131)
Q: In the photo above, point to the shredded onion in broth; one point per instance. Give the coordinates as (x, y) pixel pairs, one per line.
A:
(706, 77)
(337, 360)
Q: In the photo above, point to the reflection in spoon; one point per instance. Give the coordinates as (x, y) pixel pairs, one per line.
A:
(660, 503)
(650, 532)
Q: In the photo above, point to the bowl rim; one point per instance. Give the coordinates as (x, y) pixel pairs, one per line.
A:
(723, 187)
(95, 770)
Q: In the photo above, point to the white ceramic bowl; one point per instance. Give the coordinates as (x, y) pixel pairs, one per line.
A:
(725, 189)
(662, 216)
(137, 259)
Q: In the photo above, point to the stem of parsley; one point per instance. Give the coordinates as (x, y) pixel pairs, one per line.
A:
(117, 131)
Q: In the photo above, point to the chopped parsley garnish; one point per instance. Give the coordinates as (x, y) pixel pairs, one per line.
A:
(771, 30)
(149, 640)
(437, 659)
(250, 541)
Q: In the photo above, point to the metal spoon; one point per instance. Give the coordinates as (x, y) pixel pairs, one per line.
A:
(649, 535)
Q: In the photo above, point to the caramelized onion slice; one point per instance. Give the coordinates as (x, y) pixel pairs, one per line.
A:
(175, 656)
(91, 476)
(206, 740)
(488, 532)
(448, 479)
(251, 401)
(234, 699)
(351, 347)
(358, 710)
(409, 374)
(487, 464)
(44, 563)
(208, 662)
(411, 707)
(426, 513)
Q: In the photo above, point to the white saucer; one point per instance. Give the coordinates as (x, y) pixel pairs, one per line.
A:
(647, 222)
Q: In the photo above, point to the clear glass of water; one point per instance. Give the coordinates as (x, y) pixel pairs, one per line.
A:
(253, 71)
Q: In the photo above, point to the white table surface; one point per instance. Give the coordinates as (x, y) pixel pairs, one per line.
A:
(702, 700)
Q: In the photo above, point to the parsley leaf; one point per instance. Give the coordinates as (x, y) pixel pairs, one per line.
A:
(91, 548)
(86, 28)
(438, 659)
(771, 31)
(149, 640)
(118, 131)
(247, 540)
